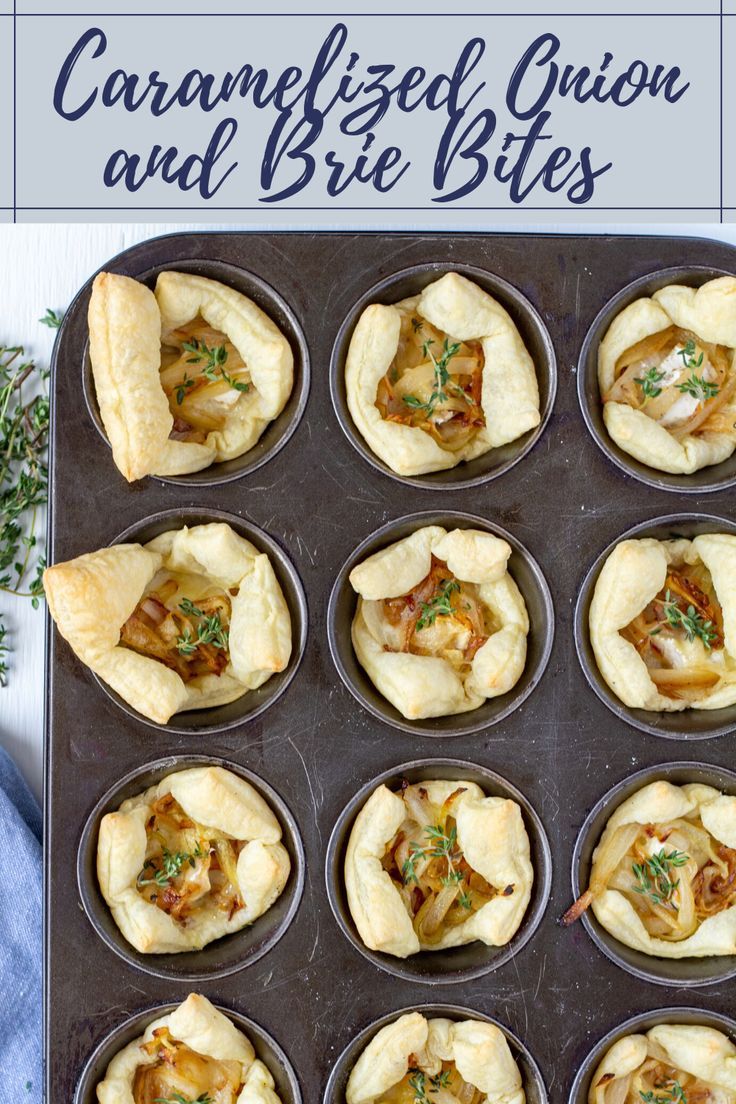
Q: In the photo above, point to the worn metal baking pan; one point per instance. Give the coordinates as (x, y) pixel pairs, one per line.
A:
(564, 501)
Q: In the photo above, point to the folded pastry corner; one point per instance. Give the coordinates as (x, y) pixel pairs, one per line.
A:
(663, 876)
(440, 625)
(672, 1063)
(185, 376)
(439, 378)
(437, 865)
(194, 1053)
(663, 622)
(192, 859)
(667, 377)
(194, 619)
(458, 1062)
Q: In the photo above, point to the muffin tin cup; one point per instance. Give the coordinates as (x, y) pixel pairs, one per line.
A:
(680, 973)
(411, 281)
(687, 724)
(532, 1081)
(202, 722)
(640, 1025)
(223, 956)
(457, 964)
(534, 589)
(278, 432)
(265, 1046)
(716, 477)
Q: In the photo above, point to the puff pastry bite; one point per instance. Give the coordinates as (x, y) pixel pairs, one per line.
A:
(447, 1061)
(439, 378)
(196, 857)
(663, 878)
(196, 1054)
(193, 619)
(663, 622)
(670, 1064)
(667, 377)
(437, 865)
(440, 625)
(185, 376)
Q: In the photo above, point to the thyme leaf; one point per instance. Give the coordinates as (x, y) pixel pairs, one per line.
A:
(215, 360)
(442, 377)
(687, 352)
(672, 1095)
(209, 631)
(171, 866)
(653, 878)
(690, 621)
(698, 387)
(439, 605)
(52, 319)
(649, 383)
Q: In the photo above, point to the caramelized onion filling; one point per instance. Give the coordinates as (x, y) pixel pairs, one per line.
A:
(434, 383)
(678, 380)
(441, 616)
(203, 375)
(180, 1073)
(428, 868)
(188, 865)
(674, 874)
(445, 1087)
(679, 634)
(191, 638)
(656, 1081)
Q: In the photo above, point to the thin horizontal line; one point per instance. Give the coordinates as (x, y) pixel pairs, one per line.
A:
(373, 15)
(438, 209)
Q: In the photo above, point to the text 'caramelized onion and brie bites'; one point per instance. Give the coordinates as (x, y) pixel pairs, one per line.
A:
(663, 878)
(437, 1060)
(439, 378)
(185, 376)
(196, 1054)
(667, 377)
(196, 857)
(437, 865)
(193, 619)
(670, 1064)
(440, 624)
(663, 622)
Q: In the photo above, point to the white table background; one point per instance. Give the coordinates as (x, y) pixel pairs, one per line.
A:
(43, 266)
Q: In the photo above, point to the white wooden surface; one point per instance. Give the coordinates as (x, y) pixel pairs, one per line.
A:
(43, 266)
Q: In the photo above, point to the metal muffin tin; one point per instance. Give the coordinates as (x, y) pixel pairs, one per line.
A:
(315, 745)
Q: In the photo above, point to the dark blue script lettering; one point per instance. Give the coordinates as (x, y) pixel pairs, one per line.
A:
(330, 117)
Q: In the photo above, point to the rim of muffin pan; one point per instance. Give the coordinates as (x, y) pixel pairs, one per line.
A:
(535, 335)
(534, 588)
(533, 1084)
(687, 724)
(267, 1049)
(715, 477)
(201, 722)
(685, 973)
(456, 964)
(223, 956)
(278, 432)
(642, 1023)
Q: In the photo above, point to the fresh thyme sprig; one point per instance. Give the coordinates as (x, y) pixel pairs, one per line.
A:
(444, 846)
(171, 866)
(687, 352)
(24, 426)
(210, 630)
(691, 622)
(673, 1095)
(215, 359)
(649, 383)
(52, 319)
(699, 387)
(421, 1084)
(653, 876)
(179, 1098)
(442, 378)
(439, 605)
(182, 387)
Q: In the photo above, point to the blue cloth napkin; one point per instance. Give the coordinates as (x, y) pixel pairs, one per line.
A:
(21, 949)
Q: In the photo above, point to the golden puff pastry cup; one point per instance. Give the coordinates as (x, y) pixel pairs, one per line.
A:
(662, 620)
(440, 377)
(423, 833)
(189, 621)
(193, 858)
(662, 876)
(195, 1050)
(440, 624)
(187, 375)
(667, 377)
(694, 1060)
(444, 1051)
